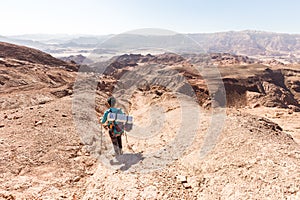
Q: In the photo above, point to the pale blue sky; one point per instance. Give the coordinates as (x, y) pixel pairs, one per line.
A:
(117, 16)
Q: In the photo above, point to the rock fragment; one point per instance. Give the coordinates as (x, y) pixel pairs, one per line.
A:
(38, 123)
(181, 179)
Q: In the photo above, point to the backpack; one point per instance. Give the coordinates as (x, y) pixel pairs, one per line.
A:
(120, 121)
(115, 125)
(129, 123)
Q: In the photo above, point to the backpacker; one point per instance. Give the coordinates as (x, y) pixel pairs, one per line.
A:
(116, 127)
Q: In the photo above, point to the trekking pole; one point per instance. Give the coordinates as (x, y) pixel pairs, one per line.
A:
(128, 146)
(101, 135)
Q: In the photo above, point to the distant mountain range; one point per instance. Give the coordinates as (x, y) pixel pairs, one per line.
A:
(258, 44)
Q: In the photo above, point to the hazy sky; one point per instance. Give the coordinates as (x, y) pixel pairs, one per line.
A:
(117, 16)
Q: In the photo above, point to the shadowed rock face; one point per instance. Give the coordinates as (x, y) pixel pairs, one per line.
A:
(269, 88)
(247, 81)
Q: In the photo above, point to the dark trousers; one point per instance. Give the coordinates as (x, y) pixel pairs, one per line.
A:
(117, 142)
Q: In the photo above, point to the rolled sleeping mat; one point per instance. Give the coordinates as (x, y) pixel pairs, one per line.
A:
(111, 116)
(129, 120)
(121, 118)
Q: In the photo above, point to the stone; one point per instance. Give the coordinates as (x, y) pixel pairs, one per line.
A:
(181, 179)
(187, 185)
(256, 105)
(17, 117)
(38, 123)
(294, 108)
(76, 179)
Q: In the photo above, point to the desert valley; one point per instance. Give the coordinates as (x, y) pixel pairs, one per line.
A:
(220, 123)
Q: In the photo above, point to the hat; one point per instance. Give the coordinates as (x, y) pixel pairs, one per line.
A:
(111, 101)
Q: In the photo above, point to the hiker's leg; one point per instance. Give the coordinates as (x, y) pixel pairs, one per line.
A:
(119, 138)
(119, 141)
(114, 141)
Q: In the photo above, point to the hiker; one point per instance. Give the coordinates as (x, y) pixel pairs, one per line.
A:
(115, 131)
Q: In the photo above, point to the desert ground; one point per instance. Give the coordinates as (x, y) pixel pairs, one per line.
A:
(185, 143)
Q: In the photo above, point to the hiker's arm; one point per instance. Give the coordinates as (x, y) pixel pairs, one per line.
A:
(104, 118)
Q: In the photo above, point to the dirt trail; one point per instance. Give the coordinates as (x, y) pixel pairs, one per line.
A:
(261, 163)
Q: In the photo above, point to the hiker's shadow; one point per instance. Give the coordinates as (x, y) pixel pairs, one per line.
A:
(127, 160)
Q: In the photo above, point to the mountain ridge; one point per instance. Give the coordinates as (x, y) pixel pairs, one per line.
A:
(259, 44)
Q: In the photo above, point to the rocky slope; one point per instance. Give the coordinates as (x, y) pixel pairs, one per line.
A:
(29, 77)
(28, 54)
